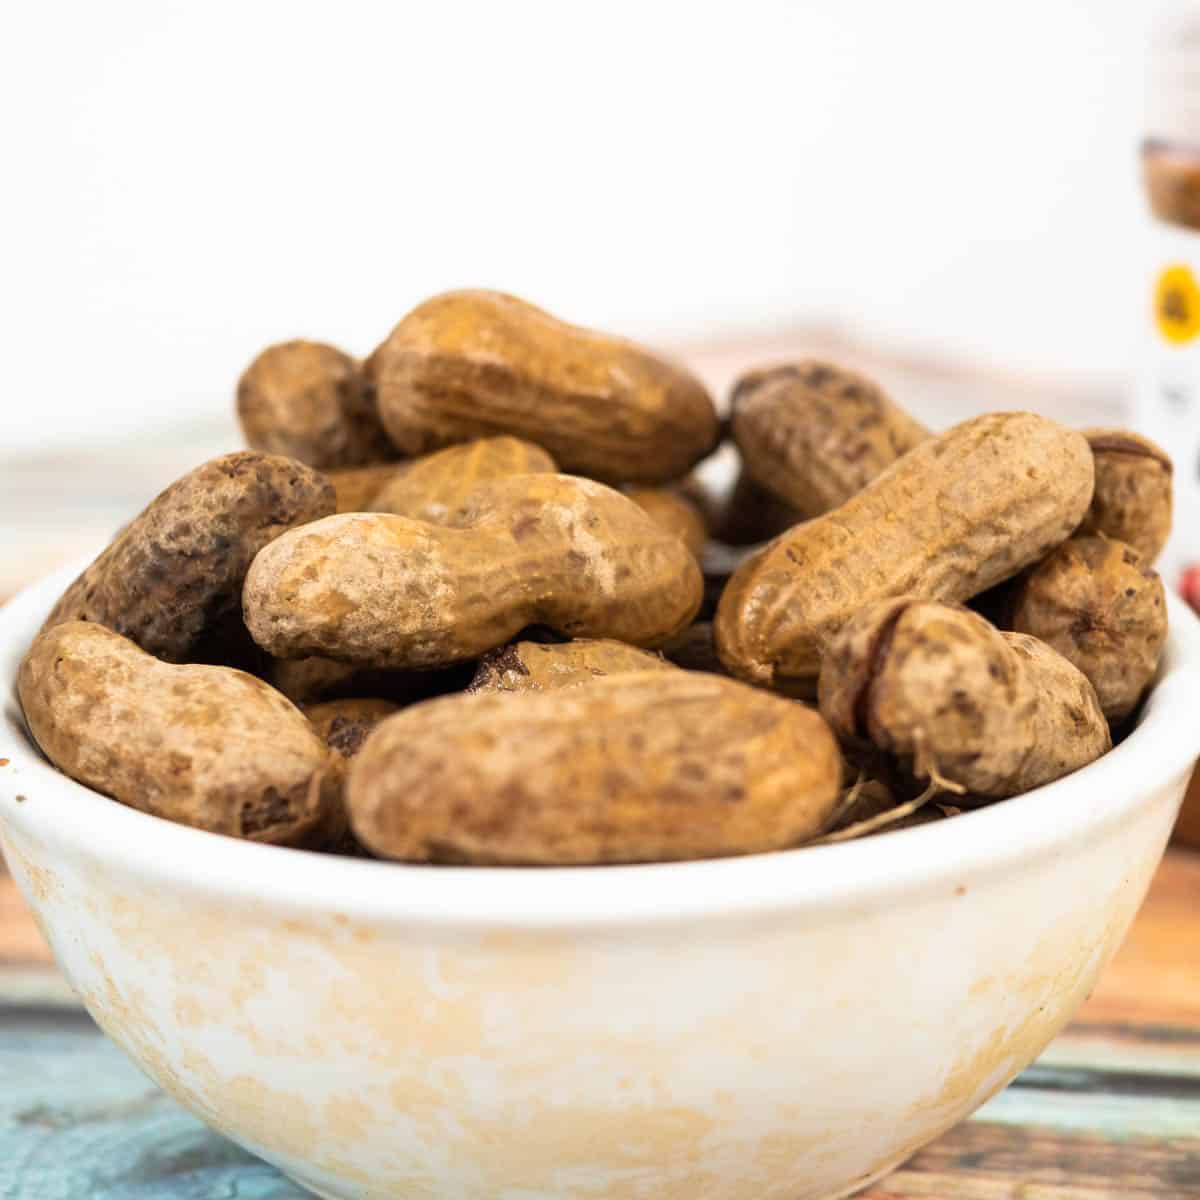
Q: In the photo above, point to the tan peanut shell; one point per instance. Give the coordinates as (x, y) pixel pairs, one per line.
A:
(311, 402)
(954, 516)
(388, 591)
(343, 725)
(546, 667)
(1133, 495)
(959, 703)
(356, 487)
(1096, 603)
(205, 746)
(175, 572)
(435, 487)
(650, 766)
(815, 434)
(675, 513)
(472, 364)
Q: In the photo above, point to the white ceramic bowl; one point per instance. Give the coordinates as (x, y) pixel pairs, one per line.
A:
(782, 1027)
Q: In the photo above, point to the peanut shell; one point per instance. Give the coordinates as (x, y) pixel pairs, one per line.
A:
(472, 364)
(435, 487)
(635, 768)
(311, 402)
(174, 574)
(1096, 603)
(815, 434)
(954, 516)
(1132, 501)
(388, 591)
(959, 703)
(205, 746)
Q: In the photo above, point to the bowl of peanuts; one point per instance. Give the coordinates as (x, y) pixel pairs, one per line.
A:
(436, 798)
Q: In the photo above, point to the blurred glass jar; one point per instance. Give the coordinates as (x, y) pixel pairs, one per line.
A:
(1168, 395)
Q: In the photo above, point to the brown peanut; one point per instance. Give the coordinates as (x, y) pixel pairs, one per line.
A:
(815, 434)
(389, 591)
(175, 573)
(546, 667)
(957, 702)
(311, 402)
(205, 746)
(357, 487)
(1133, 495)
(650, 766)
(1096, 603)
(343, 725)
(436, 487)
(473, 364)
(675, 513)
(954, 516)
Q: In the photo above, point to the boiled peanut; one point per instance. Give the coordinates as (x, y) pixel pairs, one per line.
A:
(546, 667)
(1132, 500)
(954, 516)
(649, 766)
(176, 571)
(343, 725)
(675, 513)
(356, 487)
(957, 702)
(1096, 603)
(389, 591)
(435, 487)
(205, 746)
(476, 363)
(815, 434)
(310, 402)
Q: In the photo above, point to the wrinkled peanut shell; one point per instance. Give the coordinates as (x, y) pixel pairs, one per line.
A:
(815, 434)
(472, 364)
(175, 573)
(651, 766)
(954, 516)
(554, 550)
(311, 402)
(1095, 602)
(959, 703)
(205, 746)
(675, 513)
(1133, 495)
(436, 487)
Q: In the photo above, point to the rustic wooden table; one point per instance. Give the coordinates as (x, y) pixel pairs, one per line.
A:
(1111, 1111)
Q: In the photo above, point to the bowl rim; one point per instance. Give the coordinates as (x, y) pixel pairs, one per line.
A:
(61, 815)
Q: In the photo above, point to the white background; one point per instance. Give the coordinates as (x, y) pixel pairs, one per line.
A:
(186, 182)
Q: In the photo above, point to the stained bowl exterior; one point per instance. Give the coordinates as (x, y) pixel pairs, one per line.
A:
(787, 1026)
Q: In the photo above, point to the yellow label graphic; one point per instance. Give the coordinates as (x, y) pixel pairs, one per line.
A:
(1177, 304)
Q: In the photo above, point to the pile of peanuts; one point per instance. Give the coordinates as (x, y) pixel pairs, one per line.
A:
(451, 607)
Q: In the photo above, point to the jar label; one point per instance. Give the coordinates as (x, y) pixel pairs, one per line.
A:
(1168, 393)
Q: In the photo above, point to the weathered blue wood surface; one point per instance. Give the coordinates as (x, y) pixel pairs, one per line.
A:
(79, 1122)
